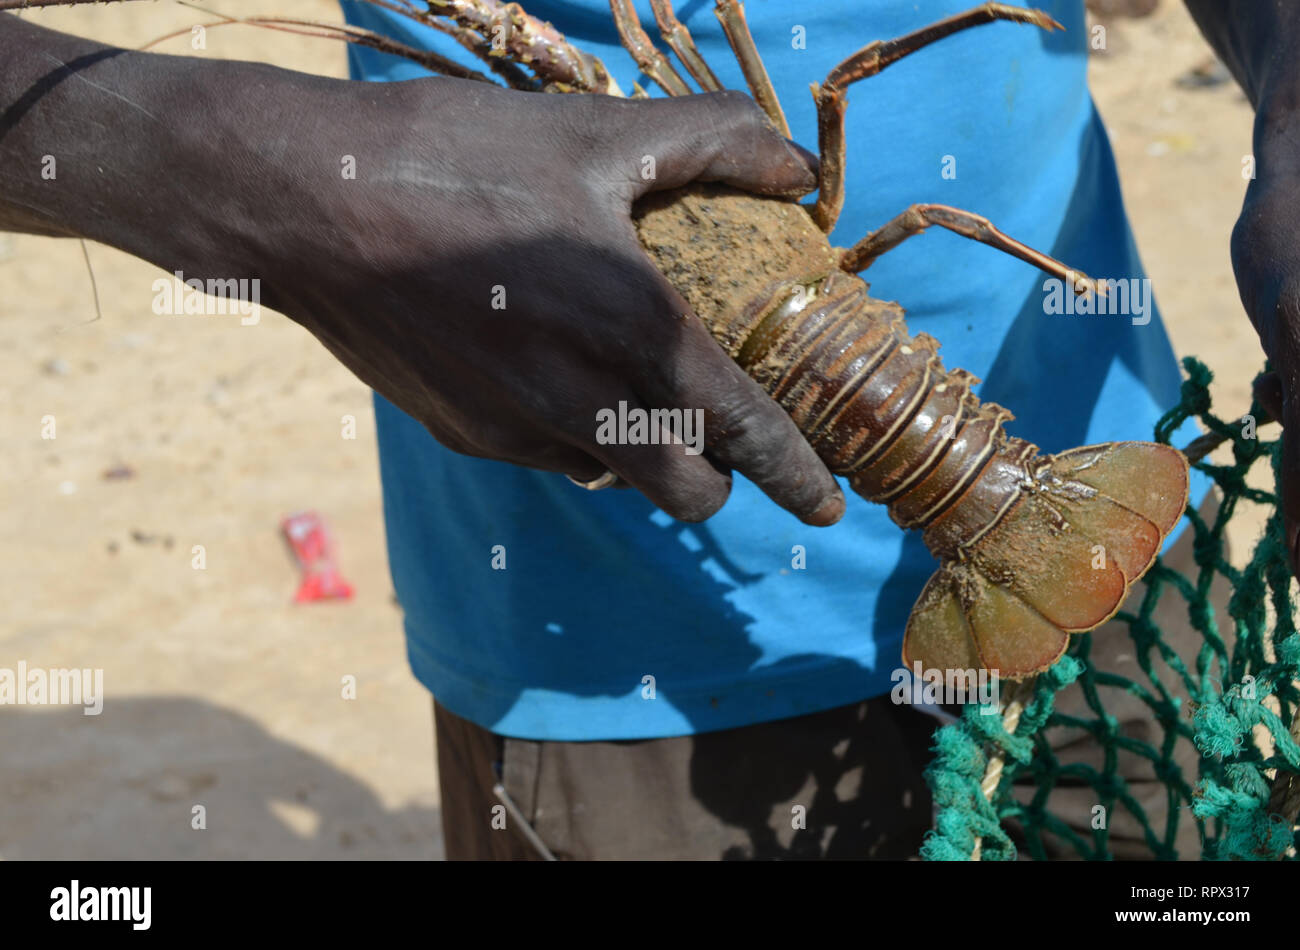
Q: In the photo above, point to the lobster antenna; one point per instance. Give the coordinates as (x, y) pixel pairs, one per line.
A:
(430, 60)
(561, 65)
(509, 71)
(94, 285)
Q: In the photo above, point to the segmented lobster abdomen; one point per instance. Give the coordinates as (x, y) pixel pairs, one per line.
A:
(874, 402)
(1032, 547)
(881, 410)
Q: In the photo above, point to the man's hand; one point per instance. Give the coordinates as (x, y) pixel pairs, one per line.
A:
(466, 250)
(483, 273)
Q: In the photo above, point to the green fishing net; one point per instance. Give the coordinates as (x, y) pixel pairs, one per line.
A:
(1235, 701)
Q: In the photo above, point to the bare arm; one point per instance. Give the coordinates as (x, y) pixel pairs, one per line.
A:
(232, 171)
(1259, 40)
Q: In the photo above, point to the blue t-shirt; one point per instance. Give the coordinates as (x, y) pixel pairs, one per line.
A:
(601, 591)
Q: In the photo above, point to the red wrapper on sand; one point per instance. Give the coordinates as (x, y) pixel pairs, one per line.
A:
(313, 548)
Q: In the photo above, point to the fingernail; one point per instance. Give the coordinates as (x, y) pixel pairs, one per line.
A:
(831, 511)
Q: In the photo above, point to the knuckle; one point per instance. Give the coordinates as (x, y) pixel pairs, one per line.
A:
(738, 116)
(695, 502)
(750, 424)
(737, 426)
(769, 451)
(738, 103)
(732, 115)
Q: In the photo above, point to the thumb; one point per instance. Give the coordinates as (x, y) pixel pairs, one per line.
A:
(722, 137)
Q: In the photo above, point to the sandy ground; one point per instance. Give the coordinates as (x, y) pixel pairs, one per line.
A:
(220, 691)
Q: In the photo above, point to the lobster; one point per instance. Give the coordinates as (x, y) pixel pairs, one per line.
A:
(1032, 547)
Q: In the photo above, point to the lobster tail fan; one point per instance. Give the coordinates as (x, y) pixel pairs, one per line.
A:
(939, 635)
(1060, 560)
(1145, 477)
(962, 621)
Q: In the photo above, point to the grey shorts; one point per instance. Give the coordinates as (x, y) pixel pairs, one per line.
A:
(844, 783)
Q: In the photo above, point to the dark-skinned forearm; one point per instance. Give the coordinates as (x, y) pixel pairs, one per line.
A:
(1255, 38)
(160, 156)
(82, 129)
(1259, 41)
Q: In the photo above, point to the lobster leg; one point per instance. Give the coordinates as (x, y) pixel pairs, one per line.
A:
(652, 62)
(870, 60)
(682, 43)
(731, 14)
(921, 216)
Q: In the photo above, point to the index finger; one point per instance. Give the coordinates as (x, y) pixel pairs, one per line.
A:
(744, 429)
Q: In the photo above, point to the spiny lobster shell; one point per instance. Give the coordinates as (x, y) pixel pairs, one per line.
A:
(1033, 547)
